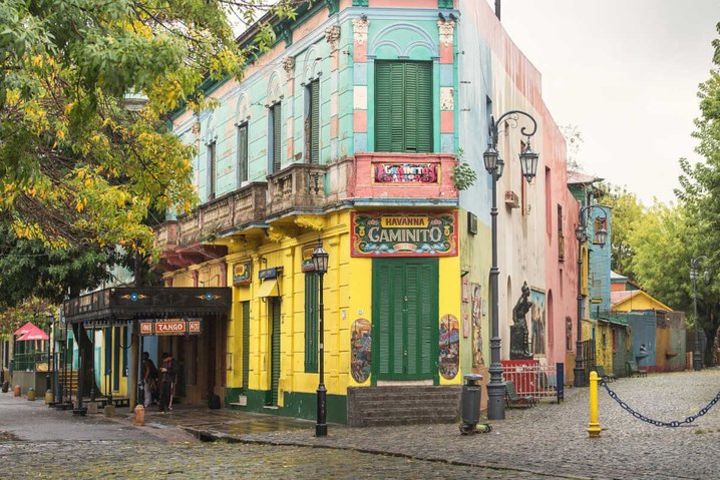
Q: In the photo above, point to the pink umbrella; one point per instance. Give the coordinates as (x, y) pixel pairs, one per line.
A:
(33, 333)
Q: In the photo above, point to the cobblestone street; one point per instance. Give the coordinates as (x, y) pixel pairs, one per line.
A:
(548, 441)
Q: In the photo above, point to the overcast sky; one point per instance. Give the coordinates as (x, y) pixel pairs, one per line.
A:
(626, 73)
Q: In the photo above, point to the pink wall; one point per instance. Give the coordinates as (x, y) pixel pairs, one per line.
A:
(560, 277)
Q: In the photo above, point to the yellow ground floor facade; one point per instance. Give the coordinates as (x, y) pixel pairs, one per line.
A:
(392, 304)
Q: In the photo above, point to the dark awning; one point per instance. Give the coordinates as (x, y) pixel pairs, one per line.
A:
(129, 303)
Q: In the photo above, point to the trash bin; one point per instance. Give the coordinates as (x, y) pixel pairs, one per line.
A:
(470, 402)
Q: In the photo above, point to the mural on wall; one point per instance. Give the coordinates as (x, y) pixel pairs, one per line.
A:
(476, 311)
(404, 235)
(539, 324)
(449, 346)
(360, 350)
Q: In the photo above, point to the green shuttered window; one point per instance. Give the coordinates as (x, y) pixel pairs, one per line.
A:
(242, 153)
(275, 137)
(311, 322)
(211, 169)
(403, 107)
(312, 122)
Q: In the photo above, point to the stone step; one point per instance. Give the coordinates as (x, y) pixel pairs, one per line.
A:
(398, 405)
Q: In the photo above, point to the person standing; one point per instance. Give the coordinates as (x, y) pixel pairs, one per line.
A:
(150, 374)
(167, 375)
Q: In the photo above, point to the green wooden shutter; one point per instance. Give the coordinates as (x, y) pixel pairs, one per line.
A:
(276, 137)
(381, 316)
(315, 121)
(403, 107)
(413, 320)
(311, 322)
(242, 153)
(397, 107)
(410, 106)
(383, 105)
(424, 107)
(427, 317)
(245, 345)
(275, 355)
(398, 305)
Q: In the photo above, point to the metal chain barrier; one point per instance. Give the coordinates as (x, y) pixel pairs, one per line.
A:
(658, 423)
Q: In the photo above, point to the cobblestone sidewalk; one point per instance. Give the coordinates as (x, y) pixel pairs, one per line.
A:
(551, 439)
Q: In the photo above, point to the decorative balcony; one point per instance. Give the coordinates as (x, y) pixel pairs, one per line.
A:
(299, 187)
(402, 176)
(231, 212)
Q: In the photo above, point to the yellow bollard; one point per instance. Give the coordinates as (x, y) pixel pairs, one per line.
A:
(594, 425)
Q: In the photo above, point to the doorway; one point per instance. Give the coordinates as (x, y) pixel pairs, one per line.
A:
(274, 313)
(405, 318)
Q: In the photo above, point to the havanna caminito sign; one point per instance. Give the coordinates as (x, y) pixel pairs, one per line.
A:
(404, 234)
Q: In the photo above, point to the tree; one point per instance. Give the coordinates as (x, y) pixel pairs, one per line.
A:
(77, 167)
(628, 215)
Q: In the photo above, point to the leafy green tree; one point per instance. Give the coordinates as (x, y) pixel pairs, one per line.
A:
(628, 215)
(78, 167)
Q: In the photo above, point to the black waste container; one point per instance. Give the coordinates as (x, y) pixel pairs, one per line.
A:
(470, 401)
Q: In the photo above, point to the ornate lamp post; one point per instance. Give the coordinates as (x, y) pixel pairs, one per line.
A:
(694, 272)
(320, 262)
(600, 237)
(494, 166)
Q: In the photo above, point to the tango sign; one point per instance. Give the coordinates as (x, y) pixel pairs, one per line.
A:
(171, 327)
(404, 235)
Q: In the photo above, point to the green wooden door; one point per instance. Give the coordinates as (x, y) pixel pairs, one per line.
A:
(405, 313)
(274, 349)
(245, 344)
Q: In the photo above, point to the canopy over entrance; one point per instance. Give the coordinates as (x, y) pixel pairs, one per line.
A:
(127, 303)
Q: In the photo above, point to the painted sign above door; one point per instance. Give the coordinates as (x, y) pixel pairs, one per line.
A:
(242, 273)
(404, 234)
(179, 326)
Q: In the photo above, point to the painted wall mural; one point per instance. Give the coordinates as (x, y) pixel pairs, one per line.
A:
(404, 235)
(476, 312)
(539, 324)
(449, 346)
(360, 350)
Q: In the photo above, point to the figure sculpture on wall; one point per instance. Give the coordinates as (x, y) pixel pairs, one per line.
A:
(519, 340)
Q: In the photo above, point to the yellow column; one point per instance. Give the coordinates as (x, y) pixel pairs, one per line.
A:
(594, 425)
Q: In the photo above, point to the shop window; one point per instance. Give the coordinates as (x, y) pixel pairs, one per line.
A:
(242, 146)
(312, 122)
(275, 138)
(403, 107)
(211, 168)
(311, 322)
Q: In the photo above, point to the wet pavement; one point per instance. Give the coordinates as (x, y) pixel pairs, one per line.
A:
(547, 441)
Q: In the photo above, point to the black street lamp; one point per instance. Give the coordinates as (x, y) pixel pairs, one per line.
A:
(694, 272)
(599, 238)
(320, 262)
(494, 166)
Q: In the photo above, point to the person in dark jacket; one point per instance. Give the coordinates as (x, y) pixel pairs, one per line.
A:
(167, 378)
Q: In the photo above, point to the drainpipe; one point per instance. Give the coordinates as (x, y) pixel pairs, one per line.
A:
(497, 8)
